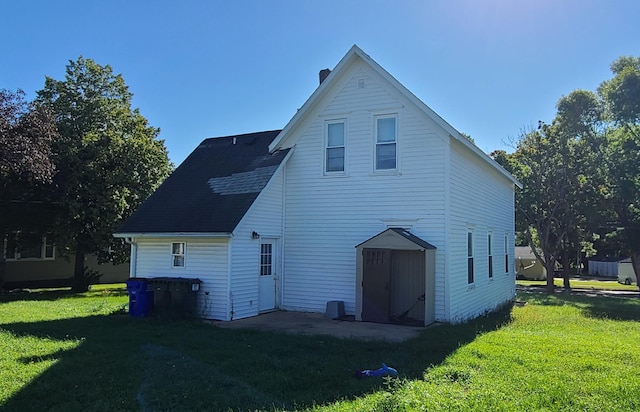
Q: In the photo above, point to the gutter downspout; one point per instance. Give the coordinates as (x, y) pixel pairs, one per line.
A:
(134, 256)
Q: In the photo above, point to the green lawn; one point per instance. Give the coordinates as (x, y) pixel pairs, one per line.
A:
(64, 352)
(583, 283)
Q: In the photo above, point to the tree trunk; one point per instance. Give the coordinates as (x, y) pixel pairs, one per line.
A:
(635, 262)
(565, 272)
(3, 271)
(79, 280)
(3, 261)
(549, 266)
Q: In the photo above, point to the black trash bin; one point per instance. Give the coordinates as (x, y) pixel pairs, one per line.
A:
(140, 297)
(175, 298)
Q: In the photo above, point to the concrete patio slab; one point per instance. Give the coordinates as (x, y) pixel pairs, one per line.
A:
(317, 324)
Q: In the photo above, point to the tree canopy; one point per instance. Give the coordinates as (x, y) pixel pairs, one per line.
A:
(581, 173)
(108, 157)
(27, 134)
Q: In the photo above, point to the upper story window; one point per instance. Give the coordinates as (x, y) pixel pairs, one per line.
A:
(386, 141)
(335, 147)
(178, 252)
(41, 248)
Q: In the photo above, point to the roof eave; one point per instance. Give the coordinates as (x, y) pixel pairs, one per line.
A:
(311, 102)
(174, 235)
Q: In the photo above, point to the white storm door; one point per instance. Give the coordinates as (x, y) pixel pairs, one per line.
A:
(267, 279)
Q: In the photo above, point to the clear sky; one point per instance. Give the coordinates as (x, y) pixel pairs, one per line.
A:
(201, 69)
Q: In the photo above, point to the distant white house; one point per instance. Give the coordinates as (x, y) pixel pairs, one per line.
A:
(605, 266)
(366, 196)
(626, 274)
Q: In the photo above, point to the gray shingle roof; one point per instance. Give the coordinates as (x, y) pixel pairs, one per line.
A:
(212, 189)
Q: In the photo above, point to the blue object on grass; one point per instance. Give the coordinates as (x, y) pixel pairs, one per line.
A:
(384, 370)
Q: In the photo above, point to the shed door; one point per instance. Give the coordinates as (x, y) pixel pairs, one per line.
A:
(376, 278)
(268, 278)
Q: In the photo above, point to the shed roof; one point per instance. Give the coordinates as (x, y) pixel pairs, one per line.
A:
(212, 189)
(403, 233)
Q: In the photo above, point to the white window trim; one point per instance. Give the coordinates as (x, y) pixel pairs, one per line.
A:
(472, 256)
(507, 265)
(43, 250)
(183, 254)
(325, 147)
(490, 261)
(376, 117)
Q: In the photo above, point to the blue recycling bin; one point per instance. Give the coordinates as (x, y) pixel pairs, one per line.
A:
(140, 297)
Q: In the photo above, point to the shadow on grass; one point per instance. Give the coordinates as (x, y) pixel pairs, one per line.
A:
(592, 305)
(55, 294)
(123, 363)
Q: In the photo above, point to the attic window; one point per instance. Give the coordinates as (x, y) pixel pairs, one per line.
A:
(178, 250)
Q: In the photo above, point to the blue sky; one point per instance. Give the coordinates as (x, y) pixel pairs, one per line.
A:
(201, 69)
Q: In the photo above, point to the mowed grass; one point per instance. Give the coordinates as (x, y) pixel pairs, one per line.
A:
(83, 352)
(585, 283)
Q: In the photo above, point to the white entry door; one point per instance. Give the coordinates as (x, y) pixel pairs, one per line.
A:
(268, 275)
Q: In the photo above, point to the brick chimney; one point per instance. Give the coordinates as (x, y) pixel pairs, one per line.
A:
(323, 74)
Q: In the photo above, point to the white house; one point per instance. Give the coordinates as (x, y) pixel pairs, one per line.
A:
(366, 196)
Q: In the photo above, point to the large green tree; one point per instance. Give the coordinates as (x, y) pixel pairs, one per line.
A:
(556, 164)
(27, 133)
(621, 99)
(108, 157)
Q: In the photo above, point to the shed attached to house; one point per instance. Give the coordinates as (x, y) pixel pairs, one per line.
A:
(395, 279)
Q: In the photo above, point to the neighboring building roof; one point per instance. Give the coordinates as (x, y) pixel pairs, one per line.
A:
(212, 189)
(606, 259)
(354, 53)
(525, 252)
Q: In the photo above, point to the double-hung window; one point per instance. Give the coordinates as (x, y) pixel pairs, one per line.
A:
(490, 253)
(506, 254)
(178, 252)
(335, 147)
(386, 143)
(470, 278)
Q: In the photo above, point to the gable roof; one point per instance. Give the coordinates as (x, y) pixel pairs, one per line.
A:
(356, 53)
(405, 234)
(211, 190)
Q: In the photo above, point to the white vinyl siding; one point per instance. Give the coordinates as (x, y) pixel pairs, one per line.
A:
(207, 260)
(322, 215)
(472, 179)
(265, 218)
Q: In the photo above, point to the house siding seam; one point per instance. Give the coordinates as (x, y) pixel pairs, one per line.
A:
(205, 259)
(326, 217)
